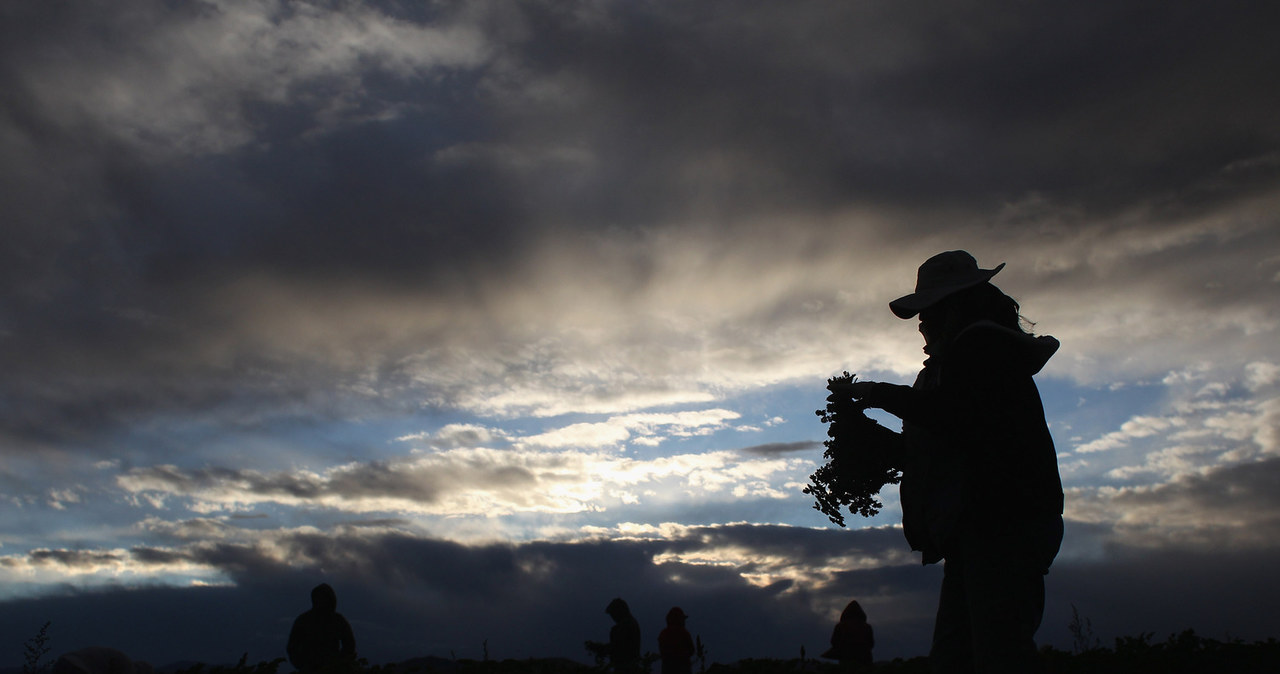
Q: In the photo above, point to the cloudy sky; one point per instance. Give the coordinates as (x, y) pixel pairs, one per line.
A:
(488, 312)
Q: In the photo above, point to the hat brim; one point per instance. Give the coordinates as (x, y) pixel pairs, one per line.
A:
(908, 306)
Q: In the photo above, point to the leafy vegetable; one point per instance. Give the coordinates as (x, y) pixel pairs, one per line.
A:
(862, 457)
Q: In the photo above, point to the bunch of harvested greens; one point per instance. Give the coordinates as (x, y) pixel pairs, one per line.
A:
(862, 457)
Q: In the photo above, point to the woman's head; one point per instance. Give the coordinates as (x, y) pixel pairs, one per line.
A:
(618, 609)
(941, 321)
(941, 276)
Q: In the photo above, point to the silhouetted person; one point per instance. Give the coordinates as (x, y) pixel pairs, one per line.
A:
(675, 644)
(321, 639)
(852, 639)
(624, 637)
(980, 485)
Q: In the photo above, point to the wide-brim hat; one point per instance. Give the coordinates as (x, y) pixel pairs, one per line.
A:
(940, 276)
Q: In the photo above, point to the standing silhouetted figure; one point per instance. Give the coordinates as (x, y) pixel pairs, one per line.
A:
(321, 639)
(675, 644)
(852, 639)
(980, 485)
(624, 637)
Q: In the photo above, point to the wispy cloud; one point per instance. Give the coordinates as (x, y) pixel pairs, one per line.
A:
(188, 82)
(480, 482)
(1230, 507)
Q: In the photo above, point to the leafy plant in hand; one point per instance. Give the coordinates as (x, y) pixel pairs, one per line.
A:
(862, 457)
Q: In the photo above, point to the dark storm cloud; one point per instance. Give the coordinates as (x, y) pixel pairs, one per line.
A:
(1218, 594)
(157, 556)
(409, 596)
(71, 559)
(945, 102)
(112, 251)
(433, 173)
(1231, 507)
(1231, 489)
(196, 529)
(424, 481)
(425, 484)
(808, 547)
(172, 479)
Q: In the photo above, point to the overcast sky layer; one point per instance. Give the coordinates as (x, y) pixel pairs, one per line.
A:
(488, 312)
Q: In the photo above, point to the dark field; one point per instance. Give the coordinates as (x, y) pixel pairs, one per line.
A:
(1180, 653)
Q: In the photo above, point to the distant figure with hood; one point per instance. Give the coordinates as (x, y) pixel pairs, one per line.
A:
(852, 639)
(321, 639)
(980, 485)
(675, 644)
(624, 637)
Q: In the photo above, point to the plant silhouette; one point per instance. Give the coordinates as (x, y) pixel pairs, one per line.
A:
(861, 458)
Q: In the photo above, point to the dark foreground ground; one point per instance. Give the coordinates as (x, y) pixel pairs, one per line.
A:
(1181, 653)
(1184, 653)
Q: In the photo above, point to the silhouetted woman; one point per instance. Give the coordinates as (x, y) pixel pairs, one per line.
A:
(980, 485)
(852, 639)
(675, 644)
(321, 639)
(624, 637)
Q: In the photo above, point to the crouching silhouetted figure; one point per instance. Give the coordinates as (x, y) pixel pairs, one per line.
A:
(624, 637)
(321, 639)
(99, 660)
(852, 639)
(675, 644)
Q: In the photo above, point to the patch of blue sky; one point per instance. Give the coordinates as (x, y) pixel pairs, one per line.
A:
(1078, 414)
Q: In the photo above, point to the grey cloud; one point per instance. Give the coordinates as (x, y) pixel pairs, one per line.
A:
(1218, 594)
(543, 599)
(1230, 507)
(73, 558)
(175, 480)
(188, 78)
(780, 448)
(380, 479)
(1242, 487)
(143, 290)
(113, 258)
(245, 561)
(539, 599)
(423, 481)
(963, 103)
(372, 548)
(149, 555)
(196, 529)
(805, 546)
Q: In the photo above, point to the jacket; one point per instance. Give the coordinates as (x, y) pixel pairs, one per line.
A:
(978, 456)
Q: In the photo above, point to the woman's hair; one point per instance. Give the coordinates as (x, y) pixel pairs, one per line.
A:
(985, 302)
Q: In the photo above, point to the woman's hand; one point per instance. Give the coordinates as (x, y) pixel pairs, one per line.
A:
(850, 389)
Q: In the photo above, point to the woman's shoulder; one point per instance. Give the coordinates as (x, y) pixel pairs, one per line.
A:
(988, 344)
